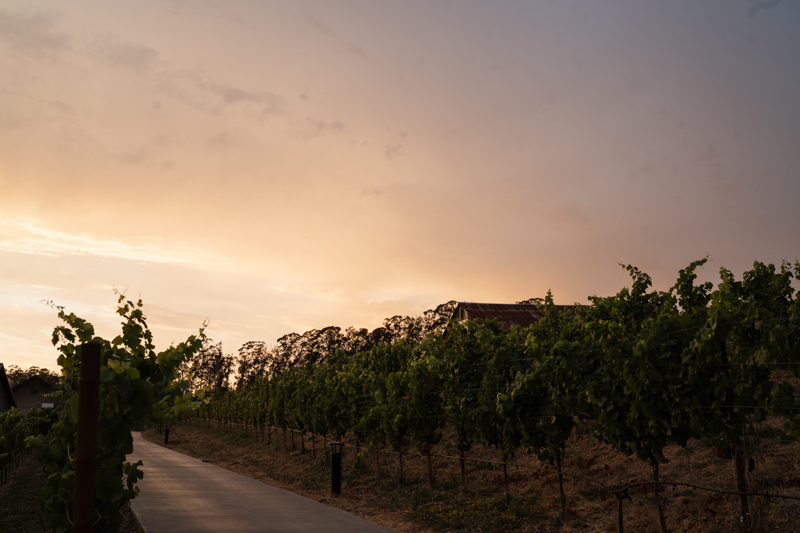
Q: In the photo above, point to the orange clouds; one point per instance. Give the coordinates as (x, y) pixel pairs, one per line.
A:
(382, 160)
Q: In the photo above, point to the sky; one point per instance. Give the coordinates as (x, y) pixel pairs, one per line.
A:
(274, 167)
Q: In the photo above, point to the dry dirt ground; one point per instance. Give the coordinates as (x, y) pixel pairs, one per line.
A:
(410, 506)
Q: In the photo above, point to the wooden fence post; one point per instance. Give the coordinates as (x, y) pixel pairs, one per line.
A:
(85, 462)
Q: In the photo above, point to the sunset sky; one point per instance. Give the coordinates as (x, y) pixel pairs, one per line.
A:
(281, 166)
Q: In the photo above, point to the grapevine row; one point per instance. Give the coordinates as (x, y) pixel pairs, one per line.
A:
(14, 429)
(642, 369)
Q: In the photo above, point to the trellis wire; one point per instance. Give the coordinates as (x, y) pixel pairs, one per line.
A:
(620, 493)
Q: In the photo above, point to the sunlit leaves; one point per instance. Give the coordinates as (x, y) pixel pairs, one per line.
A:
(137, 386)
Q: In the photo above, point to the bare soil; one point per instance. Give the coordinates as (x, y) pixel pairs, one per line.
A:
(411, 506)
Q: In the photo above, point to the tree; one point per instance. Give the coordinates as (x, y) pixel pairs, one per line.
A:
(253, 362)
(356, 340)
(532, 301)
(320, 344)
(17, 374)
(286, 352)
(209, 368)
(416, 329)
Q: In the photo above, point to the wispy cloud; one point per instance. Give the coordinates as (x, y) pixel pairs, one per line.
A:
(286, 287)
(27, 237)
(33, 35)
(50, 288)
(321, 125)
(235, 95)
(762, 4)
(353, 48)
(383, 300)
(392, 151)
(133, 157)
(125, 55)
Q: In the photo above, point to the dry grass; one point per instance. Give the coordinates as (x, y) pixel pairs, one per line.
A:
(411, 506)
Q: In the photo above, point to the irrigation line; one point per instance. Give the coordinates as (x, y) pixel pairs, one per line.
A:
(700, 487)
(748, 407)
(752, 364)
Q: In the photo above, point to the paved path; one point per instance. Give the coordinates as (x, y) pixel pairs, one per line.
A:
(183, 494)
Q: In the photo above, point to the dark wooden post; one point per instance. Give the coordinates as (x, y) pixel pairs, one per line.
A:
(505, 478)
(378, 463)
(621, 496)
(336, 468)
(88, 410)
(561, 497)
(463, 460)
(431, 478)
(400, 458)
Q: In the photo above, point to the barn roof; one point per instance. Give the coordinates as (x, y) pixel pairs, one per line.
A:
(506, 314)
(5, 387)
(33, 380)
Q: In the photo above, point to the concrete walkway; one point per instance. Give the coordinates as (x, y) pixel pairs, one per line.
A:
(183, 494)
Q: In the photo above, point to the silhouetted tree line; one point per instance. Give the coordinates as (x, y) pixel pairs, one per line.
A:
(17, 374)
(211, 367)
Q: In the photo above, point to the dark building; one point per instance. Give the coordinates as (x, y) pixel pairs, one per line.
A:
(6, 394)
(31, 393)
(506, 314)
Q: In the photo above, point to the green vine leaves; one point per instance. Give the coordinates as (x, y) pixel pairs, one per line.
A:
(137, 386)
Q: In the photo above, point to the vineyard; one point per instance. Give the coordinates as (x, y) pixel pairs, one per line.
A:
(592, 472)
(14, 429)
(641, 371)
